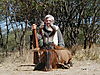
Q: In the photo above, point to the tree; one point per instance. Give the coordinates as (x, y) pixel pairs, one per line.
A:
(77, 19)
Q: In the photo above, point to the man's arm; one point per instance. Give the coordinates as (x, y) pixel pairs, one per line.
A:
(60, 38)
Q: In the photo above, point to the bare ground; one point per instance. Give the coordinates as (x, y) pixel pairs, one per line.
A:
(15, 65)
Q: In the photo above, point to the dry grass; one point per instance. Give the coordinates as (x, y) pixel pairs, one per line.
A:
(78, 54)
(88, 54)
(14, 57)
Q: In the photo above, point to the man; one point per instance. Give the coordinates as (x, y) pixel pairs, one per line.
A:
(51, 33)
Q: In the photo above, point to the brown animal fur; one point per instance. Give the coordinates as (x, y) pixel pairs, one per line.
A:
(58, 56)
(53, 61)
(64, 55)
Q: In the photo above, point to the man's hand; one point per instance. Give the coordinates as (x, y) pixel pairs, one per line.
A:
(34, 26)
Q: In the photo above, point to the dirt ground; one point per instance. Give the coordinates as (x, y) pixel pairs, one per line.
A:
(17, 66)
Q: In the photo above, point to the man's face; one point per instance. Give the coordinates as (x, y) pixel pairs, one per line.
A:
(48, 21)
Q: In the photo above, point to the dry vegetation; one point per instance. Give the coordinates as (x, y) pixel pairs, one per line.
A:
(85, 62)
(92, 53)
(79, 54)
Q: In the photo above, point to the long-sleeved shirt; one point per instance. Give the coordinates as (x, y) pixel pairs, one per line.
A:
(53, 35)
